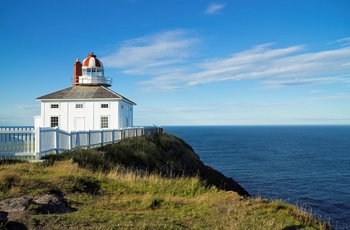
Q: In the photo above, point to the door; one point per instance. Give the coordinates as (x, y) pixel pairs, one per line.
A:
(79, 123)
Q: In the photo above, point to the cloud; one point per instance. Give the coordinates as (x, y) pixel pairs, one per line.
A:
(277, 83)
(214, 8)
(152, 52)
(171, 62)
(262, 62)
(28, 107)
(343, 41)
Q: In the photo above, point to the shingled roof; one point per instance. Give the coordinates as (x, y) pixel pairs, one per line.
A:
(85, 92)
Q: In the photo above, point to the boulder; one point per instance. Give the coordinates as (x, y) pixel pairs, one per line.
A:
(21, 208)
(3, 217)
(17, 204)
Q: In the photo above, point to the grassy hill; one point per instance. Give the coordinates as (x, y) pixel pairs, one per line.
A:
(151, 182)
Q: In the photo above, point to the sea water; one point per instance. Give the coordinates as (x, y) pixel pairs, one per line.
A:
(304, 165)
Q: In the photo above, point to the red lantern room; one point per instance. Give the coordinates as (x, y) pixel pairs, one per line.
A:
(90, 72)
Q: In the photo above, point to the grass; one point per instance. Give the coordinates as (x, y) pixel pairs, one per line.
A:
(163, 154)
(140, 183)
(120, 198)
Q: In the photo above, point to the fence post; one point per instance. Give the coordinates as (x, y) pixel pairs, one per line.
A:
(101, 137)
(37, 141)
(70, 140)
(57, 136)
(77, 144)
(89, 137)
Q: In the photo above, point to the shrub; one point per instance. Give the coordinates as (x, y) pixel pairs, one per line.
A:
(89, 158)
(8, 180)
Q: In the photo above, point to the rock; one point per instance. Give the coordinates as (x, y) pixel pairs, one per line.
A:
(52, 203)
(3, 217)
(15, 204)
(21, 208)
(15, 210)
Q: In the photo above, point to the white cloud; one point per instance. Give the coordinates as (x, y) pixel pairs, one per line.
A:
(276, 83)
(152, 52)
(262, 62)
(214, 8)
(169, 60)
(344, 41)
(29, 107)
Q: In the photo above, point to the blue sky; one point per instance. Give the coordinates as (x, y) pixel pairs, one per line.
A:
(184, 62)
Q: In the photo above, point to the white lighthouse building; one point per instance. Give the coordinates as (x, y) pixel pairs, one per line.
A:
(89, 104)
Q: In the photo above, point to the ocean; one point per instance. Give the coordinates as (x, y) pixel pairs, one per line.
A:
(304, 165)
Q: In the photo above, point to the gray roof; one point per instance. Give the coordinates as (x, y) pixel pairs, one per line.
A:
(84, 92)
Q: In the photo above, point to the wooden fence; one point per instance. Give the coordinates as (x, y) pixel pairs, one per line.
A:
(28, 143)
(17, 142)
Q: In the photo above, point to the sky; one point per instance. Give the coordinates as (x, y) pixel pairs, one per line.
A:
(184, 62)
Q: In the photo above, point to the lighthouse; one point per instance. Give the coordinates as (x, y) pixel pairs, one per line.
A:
(90, 72)
(88, 104)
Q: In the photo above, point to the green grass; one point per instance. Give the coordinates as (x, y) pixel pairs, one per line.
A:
(120, 198)
(109, 191)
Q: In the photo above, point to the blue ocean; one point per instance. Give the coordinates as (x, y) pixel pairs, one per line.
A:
(304, 165)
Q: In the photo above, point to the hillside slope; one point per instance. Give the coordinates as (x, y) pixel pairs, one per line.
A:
(169, 155)
(139, 183)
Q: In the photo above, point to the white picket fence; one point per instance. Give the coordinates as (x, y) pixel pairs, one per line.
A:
(26, 142)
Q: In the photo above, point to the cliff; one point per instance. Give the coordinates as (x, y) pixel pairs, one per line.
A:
(150, 182)
(169, 155)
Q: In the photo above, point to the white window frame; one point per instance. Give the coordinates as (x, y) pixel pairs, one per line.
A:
(104, 106)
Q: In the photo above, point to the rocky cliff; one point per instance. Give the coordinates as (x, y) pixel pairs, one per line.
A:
(169, 155)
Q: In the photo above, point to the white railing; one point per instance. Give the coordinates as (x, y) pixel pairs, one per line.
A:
(17, 143)
(95, 80)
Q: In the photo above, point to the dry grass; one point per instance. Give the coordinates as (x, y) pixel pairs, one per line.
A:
(124, 199)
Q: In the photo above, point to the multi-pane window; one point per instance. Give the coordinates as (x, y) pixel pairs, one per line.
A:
(79, 106)
(104, 106)
(54, 121)
(54, 106)
(104, 122)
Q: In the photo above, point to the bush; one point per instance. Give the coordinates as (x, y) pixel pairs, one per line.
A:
(89, 158)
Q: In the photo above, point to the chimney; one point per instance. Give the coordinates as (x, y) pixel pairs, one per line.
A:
(77, 72)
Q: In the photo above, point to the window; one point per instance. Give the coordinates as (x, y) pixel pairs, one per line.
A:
(104, 122)
(79, 106)
(122, 106)
(54, 121)
(54, 106)
(104, 106)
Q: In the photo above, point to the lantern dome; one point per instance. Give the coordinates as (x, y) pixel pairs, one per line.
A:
(92, 61)
(90, 72)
